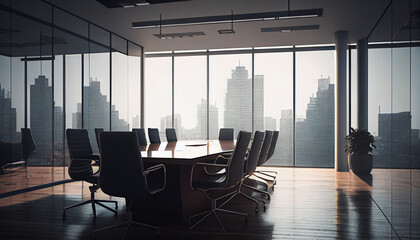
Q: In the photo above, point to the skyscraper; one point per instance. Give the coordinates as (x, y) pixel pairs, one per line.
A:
(315, 134)
(238, 112)
(284, 149)
(96, 112)
(8, 131)
(41, 120)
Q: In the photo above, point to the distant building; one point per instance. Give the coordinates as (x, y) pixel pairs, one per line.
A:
(96, 113)
(136, 122)
(283, 154)
(8, 131)
(315, 134)
(269, 124)
(41, 120)
(202, 121)
(238, 111)
(394, 149)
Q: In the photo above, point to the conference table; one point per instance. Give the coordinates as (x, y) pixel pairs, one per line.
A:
(178, 200)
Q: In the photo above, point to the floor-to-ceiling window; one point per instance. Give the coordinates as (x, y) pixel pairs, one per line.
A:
(274, 71)
(314, 137)
(158, 94)
(190, 97)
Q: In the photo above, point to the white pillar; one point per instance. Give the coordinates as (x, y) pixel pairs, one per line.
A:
(362, 84)
(341, 44)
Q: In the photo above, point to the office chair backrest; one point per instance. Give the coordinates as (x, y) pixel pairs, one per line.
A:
(79, 148)
(265, 147)
(235, 170)
(153, 135)
(273, 145)
(226, 134)
(122, 171)
(141, 135)
(171, 135)
(28, 144)
(98, 131)
(254, 152)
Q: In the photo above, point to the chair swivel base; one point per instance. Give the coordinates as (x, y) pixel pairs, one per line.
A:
(129, 223)
(214, 209)
(93, 202)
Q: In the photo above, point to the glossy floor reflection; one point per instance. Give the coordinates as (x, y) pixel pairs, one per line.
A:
(305, 204)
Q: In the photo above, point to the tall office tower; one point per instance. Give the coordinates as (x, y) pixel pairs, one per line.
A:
(202, 121)
(77, 117)
(269, 124)
(96, 113)
(166, 122)
(238, 113)
(41, 120)
(259, 103)
(393, 129)
(118, 124)
(8, 131)
(136, 122)
(283, 154)
(315, 134)
(58, 137)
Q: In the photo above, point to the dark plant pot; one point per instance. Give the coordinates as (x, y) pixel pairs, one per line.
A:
(361, 164)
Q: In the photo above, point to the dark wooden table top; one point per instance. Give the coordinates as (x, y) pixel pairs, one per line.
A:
(185, 152)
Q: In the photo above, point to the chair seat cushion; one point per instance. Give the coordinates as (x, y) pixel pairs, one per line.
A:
(209, 182)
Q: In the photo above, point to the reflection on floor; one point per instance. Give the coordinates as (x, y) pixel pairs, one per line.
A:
(305, 204)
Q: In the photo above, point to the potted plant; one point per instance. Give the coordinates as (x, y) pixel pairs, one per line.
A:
(359, 146)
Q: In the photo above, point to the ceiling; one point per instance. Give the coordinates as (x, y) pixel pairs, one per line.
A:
(358, 17)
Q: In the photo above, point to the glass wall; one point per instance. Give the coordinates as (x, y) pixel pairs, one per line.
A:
(57, 72)
(394, 116)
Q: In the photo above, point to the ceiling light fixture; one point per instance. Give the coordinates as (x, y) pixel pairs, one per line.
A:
(176, 35)
(247, 17)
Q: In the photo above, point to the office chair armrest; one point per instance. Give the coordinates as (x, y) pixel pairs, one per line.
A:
(150, 172)
(212, 168)
(223, 159)
(199, 170)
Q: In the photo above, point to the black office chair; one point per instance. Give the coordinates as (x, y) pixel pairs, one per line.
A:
(98, 131)
(123, 173)
(226, 134)
(271, 174)
(231, 177)
(80, 168)
(262, 158)
(28, 146)
(141, 135)
(171, 135)
(251, 165)
(153, 135)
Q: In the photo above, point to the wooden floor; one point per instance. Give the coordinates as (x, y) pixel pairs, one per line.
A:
(305, 204)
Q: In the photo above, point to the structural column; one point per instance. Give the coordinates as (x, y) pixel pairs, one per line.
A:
(341, 43)
(362, 84)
